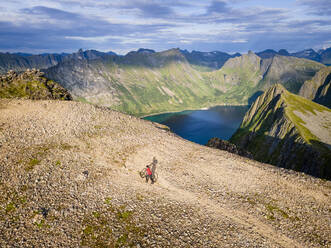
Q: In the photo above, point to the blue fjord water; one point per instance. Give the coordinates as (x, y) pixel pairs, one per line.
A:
(201, 125)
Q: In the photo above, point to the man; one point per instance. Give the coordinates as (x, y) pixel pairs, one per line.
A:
(154, 166)
(149, 174)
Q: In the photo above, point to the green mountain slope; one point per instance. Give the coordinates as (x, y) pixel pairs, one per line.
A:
(289, 71)
(239, 78)
(137, 83)
(318, 88)
(31, 84)
(289, 131)
(147, 83)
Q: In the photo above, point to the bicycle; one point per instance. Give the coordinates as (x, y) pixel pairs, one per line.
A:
(142, 174)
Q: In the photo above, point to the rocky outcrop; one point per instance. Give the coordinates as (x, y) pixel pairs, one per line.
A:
(227, 146)
(288, 131)
(70, 178)
(31, 84)
(318, 88)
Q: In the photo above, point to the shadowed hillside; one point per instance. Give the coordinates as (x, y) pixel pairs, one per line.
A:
(318, 88)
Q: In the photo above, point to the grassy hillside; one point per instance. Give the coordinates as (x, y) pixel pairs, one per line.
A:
(287, 130)
(31, 84)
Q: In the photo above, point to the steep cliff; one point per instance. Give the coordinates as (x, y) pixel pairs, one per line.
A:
(289, 131)
(318, 88)
(31, 84)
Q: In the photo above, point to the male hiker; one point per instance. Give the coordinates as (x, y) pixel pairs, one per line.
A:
(154, 166)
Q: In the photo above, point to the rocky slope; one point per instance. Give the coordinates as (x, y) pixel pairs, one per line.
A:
(69, 178)
(31, 84)
(318, 88)
(143, 83)
(289, 131)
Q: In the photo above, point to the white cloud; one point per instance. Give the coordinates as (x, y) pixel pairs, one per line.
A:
(123, 24)
(239, 41)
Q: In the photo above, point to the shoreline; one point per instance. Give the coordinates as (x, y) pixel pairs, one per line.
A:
(203, 108)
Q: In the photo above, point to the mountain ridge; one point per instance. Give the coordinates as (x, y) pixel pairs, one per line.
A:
(204, 61)
(147, 83)
(323, 55)
(289, 131)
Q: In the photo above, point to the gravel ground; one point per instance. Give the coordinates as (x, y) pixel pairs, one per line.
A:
(69, 178)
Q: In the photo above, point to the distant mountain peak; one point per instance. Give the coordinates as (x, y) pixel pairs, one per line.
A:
(145, 51)
(283, 52)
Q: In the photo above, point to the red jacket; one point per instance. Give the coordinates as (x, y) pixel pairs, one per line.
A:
(148, 171)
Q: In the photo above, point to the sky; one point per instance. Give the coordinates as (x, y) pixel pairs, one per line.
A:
(49, 26)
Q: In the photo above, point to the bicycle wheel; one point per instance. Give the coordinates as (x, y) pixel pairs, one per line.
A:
(142, 173)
